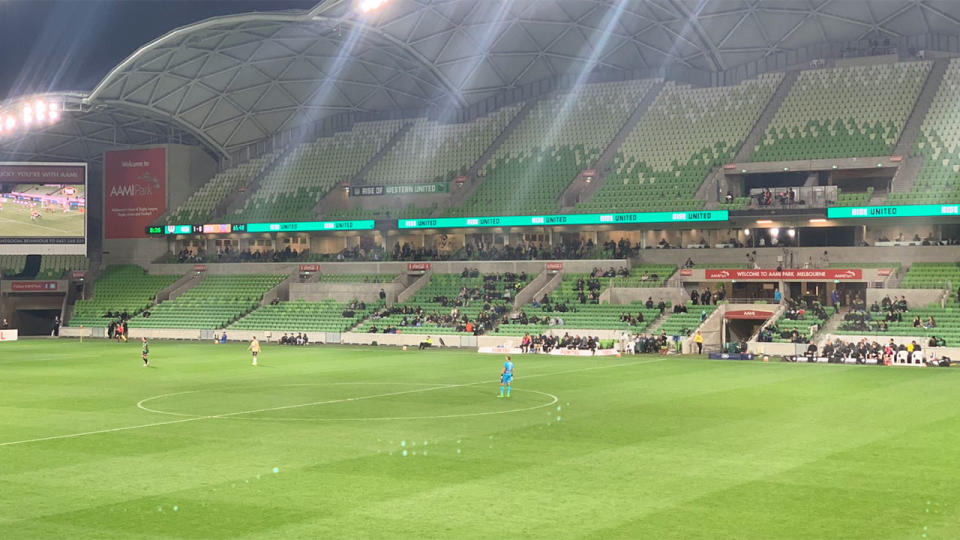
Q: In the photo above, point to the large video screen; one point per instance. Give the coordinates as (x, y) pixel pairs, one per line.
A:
(43, 208)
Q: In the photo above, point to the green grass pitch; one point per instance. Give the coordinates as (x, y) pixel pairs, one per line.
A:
(338, 442)
(15, 222)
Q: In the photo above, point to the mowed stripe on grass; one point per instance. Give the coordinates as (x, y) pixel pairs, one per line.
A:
(640, 447)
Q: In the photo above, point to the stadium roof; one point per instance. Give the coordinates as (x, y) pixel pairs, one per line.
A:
(233, 80)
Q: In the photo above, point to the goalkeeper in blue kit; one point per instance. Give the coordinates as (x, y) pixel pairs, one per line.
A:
(506, 377)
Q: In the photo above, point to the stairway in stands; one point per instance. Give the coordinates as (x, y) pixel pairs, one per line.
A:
(906, 174)
(460, 195)
(575, 192)
(760, 128)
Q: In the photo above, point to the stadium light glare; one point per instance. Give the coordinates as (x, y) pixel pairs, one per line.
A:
(367, 6)
(791, 233)
(27, 115)
(10, 123)
(774, 231)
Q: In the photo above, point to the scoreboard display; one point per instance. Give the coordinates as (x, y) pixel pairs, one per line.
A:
(293, 226)
(43, 208)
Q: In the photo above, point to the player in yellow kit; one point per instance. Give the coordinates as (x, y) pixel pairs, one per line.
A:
(254, 348)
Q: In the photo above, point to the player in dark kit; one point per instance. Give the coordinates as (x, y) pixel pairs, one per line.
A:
(145, 353)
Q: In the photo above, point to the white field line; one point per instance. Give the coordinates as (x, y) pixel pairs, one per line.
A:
(315, 403)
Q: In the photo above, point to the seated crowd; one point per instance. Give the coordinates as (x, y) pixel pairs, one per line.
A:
(864, 351)
(544, 343)
(299, 339)
(877, 317)
(795, 311)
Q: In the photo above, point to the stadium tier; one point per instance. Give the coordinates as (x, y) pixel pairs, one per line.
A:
(782, 328)
(483, 299)
(54, 266)
(302, 316)
(946, 319)
(931, 276)
(561, 136)
(199, 208)
(12, 264)
(854, 199)
(291, 190)
(685, 132)
(937, 144)
(432, 151)
(646, 275)
(843, 112)
(573, 305)
(214, 303)
(684, 324)
(124, 288)
(357, 278)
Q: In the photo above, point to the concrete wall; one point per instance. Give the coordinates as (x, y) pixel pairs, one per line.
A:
(188, 168)
(528, 293)
(347, 338)
(674, 295)
(767, 257)
(141, 251)
(345, 292)
(915, 297)
(180, 286)
(417, 284)
(451, 267)
(777, 349)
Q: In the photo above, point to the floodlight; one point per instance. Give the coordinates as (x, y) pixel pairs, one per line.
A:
(366, 6)
(27, 114)
(774, 232)
(10, 122)
(791, 232)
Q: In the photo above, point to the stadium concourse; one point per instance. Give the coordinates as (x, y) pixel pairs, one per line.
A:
(611, 194)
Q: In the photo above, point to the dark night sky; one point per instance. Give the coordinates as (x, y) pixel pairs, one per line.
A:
(71, 44)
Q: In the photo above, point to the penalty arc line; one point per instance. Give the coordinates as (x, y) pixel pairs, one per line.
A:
(227, 415)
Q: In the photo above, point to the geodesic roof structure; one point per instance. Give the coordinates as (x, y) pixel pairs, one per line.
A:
(233, 80)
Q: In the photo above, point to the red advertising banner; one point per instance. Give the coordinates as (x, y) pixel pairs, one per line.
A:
(33, 286)
(884, 272)
(78, 274)
(309, 267)
(134, 191)
(686, 272)
(554, 266)
(199, 268)
(801, 274)
(418, 267)
(748, 314)
(42, 174)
